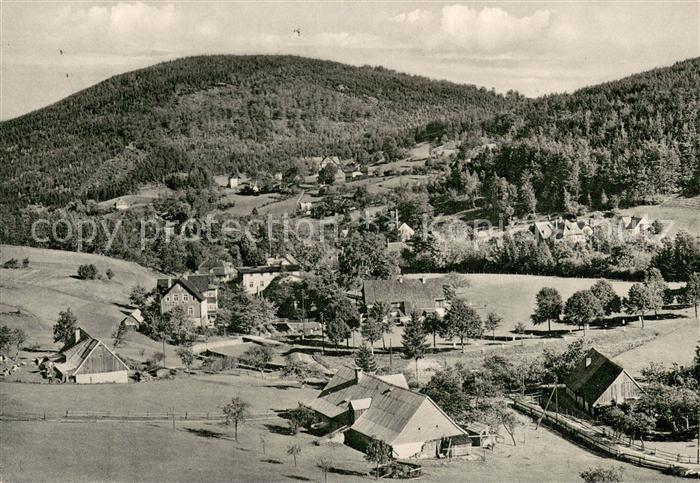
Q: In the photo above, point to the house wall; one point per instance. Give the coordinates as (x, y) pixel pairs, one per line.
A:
(427, 424)
(621, 389)
(195, 309)
(254, 283)
(103, 377)
(100, 360)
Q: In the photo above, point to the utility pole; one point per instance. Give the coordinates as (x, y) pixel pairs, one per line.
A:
(390, 356)
(323, 336)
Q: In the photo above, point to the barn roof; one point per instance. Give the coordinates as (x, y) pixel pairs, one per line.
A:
(593, 376)
(74, 356)
(416, 294)
(391, 407)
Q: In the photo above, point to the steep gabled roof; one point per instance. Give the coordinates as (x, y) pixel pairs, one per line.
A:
(75, 356)
(593, 376)
(164, 286)
(392, 408)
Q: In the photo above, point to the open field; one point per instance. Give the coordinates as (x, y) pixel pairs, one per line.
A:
(138, 451)
(49, 285)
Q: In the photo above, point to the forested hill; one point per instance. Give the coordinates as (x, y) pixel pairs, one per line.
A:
(224, 113)
(628, 141)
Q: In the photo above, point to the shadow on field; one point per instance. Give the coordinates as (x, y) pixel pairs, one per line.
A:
(341, 471)
(271, 461)
(206, 433)
(277, 429)
(297, 477)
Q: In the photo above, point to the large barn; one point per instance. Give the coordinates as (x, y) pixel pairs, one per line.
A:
(87, 361)
(368, 407)
(597, 381)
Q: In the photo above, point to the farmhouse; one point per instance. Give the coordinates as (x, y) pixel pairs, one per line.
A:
(121, 204)
(87, 361)
(368, 407)
(256, 279)
(404, 295)
(597, 381)
(198, 294)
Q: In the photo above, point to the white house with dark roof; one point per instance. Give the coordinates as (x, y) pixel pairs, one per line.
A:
(197, 294)
(366, 407)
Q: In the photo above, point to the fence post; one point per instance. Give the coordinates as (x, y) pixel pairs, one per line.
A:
(185, 414)
(44, 414)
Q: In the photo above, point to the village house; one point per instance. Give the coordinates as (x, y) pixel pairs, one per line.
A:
(560, 231)
(121, 204)
(256, 279)
(197, 294)
(221, 270)
(134, 319)
(404, 296)
(234, 181)
(405, 232)
(367, 407)
(598, 381)
(634, 224)
(86, 361)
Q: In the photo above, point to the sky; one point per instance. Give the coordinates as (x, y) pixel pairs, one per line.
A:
(52, 49)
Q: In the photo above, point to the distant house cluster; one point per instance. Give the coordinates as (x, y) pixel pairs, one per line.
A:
(368, 408)
(581, 229)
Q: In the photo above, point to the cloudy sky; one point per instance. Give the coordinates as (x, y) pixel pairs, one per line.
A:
(535, 47)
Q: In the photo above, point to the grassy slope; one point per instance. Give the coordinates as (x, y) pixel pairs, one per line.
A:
(48, 286)
(154, 451)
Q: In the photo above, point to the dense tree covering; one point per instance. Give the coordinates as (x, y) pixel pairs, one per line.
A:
(219, 114)
(620, 142)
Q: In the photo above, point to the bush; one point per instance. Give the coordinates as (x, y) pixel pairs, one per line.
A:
(109, 274)
(11, 263)
(87, 272)
(600, 474)
(25, 262)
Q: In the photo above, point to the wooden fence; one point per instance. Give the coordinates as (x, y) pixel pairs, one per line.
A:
(135, 416)
(596, 439)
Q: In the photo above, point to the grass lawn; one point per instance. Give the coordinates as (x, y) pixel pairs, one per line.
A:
(49, 286)
(146, 451)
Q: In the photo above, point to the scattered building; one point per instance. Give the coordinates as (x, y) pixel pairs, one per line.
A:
(368, 407)
(256, 279)
(86, 361)
(405, 232)
(197, 294)
(221, 270)
(234, 181)
(121, 204)
(598, 381)
(404, 295)
(134, 319)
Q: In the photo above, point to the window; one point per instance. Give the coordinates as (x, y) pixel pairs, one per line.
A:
(250, 284)
(185, 298)
(167, 298)
(176, 298)
(190, 311)
(262, 282)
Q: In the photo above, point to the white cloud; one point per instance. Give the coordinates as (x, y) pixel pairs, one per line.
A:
(493, 29)
(413, 17)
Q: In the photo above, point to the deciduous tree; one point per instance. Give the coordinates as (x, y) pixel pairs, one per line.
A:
(548, 307)
(236, 412)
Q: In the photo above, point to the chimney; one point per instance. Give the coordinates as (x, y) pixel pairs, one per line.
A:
(358, 374)
(77, 334)
(588, 361)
